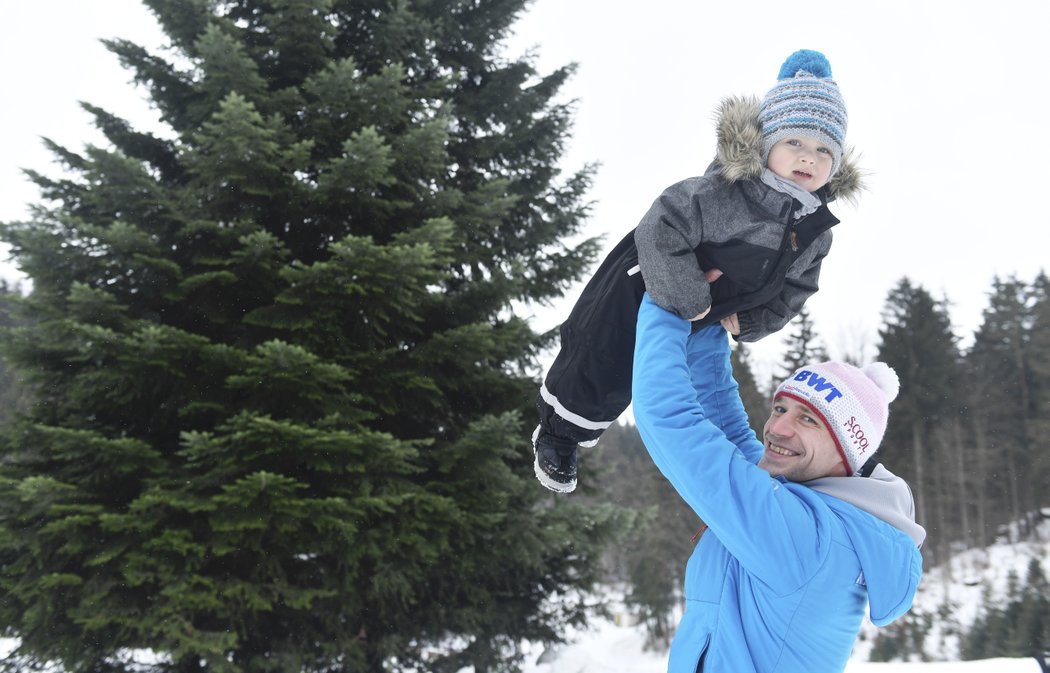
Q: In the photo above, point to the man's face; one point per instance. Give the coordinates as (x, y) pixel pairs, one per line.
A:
(799, 446)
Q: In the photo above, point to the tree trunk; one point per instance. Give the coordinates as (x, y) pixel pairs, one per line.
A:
(1015, 502)
(981, 488)
(963, 496)
(1025, 496)
(920, 478)
(937, 494)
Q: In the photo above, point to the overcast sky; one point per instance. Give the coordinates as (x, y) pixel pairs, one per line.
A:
(947, 105)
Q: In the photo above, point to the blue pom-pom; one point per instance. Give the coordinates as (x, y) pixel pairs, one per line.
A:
(813, 62)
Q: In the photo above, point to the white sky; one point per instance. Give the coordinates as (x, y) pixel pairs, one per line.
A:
(947, 103)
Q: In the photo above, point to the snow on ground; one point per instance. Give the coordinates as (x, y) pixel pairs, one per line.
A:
(609, 648)
(955, 595)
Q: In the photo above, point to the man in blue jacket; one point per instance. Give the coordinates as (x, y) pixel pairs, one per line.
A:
(798, 544)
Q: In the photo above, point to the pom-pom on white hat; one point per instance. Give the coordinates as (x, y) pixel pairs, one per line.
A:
(854, 404)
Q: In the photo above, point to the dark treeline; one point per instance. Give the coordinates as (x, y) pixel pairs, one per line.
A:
(969, 428)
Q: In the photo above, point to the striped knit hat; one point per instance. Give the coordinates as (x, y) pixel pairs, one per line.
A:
(853, 403)
(804, 102)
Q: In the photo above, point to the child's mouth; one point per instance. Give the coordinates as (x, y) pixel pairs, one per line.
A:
(803, 174)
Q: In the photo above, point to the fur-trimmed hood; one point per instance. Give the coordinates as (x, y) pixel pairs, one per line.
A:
(739, 149)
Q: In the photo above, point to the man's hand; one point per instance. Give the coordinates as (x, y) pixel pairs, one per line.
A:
(711, 276)
(731, 324)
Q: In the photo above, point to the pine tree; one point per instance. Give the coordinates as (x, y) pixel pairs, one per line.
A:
(281, 398)
(917, 341)
(14, 395)
(1020, 628)
(756, 402)
(1039, 368)
(803, 345)
(652, 556)
(1003, 392)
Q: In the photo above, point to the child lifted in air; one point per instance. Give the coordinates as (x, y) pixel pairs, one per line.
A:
(741, 245)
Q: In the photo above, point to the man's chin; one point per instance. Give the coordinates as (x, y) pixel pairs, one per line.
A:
(771, 469)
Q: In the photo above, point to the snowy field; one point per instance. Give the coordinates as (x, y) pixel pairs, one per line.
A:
(614, 649)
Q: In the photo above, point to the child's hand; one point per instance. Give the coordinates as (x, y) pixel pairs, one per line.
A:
(711, 276)
(731, 324)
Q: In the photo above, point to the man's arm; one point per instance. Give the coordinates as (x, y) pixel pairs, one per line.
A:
(718, 392)
(770, 530)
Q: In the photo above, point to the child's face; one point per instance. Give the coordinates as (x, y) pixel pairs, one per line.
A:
(803, 160)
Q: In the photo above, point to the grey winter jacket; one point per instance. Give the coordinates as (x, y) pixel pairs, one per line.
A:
(729, 219)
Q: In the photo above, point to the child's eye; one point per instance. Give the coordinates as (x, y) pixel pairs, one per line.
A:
(793, 142)
(824, 150)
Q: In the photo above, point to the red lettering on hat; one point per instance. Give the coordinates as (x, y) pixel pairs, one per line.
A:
(857, 434)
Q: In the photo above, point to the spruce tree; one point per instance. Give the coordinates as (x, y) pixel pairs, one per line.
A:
(1039, 368)
(652, 556)
(756, 401)
(917, 341)
(803, 345)
(14, 395)
(1005, 392)
(281, 400)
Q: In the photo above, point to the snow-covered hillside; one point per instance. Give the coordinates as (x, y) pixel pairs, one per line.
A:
(953, 595)
(620, 649)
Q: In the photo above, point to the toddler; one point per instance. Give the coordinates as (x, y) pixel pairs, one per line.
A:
(741, 245)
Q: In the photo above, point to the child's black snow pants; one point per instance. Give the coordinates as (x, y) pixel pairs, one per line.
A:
(589, 384)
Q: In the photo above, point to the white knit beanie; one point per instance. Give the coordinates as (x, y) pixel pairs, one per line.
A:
(853, 403)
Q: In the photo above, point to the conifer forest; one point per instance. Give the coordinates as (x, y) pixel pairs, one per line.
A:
(267, 403)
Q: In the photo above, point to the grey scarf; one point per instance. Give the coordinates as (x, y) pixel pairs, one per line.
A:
(809, 201)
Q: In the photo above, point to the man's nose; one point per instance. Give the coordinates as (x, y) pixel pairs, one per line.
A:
(780, 426)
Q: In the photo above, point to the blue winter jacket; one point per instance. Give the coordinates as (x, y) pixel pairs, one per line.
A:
(781, 579)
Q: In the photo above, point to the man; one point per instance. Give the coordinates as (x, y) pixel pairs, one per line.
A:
(798, 544)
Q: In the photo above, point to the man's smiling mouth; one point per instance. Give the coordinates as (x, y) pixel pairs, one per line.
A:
(780, 451)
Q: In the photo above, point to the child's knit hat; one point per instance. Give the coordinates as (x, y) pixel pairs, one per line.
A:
(804, 102)
(853, 403)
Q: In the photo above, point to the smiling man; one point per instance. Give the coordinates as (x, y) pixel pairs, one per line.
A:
(801, 540)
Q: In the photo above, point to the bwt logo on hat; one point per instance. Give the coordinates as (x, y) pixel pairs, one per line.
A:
(819, 383)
